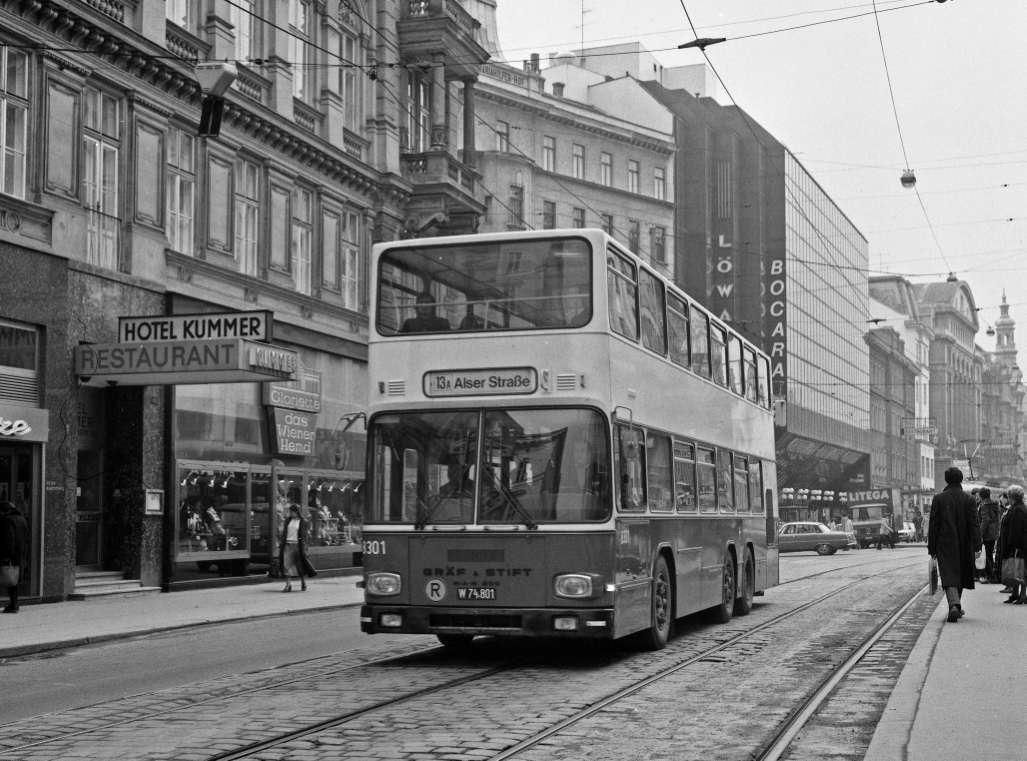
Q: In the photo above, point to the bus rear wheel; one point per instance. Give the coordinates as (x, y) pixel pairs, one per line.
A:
(743, 603)
(455, 640)
(722, 613)
(661, 609)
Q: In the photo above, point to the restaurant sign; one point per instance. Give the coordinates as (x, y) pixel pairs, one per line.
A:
(233, 360)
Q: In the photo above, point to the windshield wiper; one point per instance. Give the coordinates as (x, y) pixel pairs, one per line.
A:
(511, 500)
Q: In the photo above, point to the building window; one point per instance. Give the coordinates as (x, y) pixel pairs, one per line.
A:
(181, 189)
(241, 16)
(549, 153)
(633, 173)
(608, 224)
(606, 169)
(488, 210)
(302, 238)
(279, 245)
(578, 218)
(342, 262)
(578, 162)
(247, 215)
(502, 137)
(418, 111)
(299, 37)
(516, 204)
(100, 183)
(634, 235)
(657, 245)
(179, 12)
(13, 127)
(660, 183)
(548, 215)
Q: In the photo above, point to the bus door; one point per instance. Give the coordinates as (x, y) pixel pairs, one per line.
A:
(633, 575)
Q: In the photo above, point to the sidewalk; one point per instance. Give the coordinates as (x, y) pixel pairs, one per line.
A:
(962, 692)
(69, 624)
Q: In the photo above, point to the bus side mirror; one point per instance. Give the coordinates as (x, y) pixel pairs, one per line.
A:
(629, 444)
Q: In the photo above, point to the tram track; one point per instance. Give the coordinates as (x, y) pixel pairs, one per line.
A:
(313, 730)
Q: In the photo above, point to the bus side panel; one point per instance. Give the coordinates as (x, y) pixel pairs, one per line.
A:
(717, 534)
(682, 536)
(633, 576)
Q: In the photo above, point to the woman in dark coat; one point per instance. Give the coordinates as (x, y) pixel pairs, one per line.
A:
(1014, 539)
(953, 536)
(292, 550)
(14, 547)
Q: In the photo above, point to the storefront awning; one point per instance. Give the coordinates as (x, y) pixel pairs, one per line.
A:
(231, 360)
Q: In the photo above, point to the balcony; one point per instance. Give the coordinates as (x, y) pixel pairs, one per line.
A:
(427, 27)
(443, 184)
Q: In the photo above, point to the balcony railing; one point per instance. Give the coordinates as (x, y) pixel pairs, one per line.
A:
(436, 166)
(110, 8)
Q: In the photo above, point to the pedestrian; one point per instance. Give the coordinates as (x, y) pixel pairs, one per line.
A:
(918, 525)
(1003, 504)
(14, 548)
(1014, 539)
(988, 512)
(292, 550)
(954, 538)
(847, 525)
(885, 534)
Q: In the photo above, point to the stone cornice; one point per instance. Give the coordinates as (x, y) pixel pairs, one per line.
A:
(656, 145)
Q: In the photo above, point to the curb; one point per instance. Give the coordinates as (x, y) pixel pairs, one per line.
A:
(42, 647)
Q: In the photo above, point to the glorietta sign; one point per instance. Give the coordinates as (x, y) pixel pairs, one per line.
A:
(514, 380)
(255, 326)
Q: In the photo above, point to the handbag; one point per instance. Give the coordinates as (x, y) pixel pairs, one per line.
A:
(1012, 570)
(980, 560)
(10, 575)
(932, 573)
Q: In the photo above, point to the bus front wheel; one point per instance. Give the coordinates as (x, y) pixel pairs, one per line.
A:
(661, 615)
(455, 640)
(722, 613)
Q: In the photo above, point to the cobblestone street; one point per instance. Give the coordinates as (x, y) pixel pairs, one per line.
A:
(414, 700)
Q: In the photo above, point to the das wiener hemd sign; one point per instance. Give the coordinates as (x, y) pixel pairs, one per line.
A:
(508, 380)
(234, 360)
(253, 326)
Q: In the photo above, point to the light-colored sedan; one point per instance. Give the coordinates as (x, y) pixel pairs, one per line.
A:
(810, 536)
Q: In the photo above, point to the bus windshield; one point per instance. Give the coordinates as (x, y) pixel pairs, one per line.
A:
(473, 287)
(490, 467)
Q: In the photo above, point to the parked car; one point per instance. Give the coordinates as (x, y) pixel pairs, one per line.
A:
(806, 536)
(908, 532)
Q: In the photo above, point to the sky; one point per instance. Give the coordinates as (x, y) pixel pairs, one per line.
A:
(958, 73)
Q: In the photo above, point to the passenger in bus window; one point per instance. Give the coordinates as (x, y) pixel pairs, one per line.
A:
(426, 320)
(471, 321)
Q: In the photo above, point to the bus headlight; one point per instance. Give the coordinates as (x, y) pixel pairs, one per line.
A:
(578, 586)
(383, 584)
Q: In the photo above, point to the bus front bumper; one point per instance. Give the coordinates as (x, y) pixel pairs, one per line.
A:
(591, 623)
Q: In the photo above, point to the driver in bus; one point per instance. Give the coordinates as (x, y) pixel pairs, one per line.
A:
(426, 320)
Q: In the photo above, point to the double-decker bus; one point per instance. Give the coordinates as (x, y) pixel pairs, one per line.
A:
(560, 444)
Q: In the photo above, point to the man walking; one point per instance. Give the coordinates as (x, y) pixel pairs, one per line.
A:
(988, 511)
(14, 543)
(953, 537)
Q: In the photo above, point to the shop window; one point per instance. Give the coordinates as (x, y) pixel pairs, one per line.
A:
(213, 512)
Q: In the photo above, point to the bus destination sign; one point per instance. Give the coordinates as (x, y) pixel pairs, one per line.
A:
(507, 380)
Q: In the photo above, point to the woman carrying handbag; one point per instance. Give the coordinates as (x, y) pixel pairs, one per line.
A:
(14, 545)
(1014, 546)
(292, 550)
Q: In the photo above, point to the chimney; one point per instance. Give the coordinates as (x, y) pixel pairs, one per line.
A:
(535, 66)
(558, 89)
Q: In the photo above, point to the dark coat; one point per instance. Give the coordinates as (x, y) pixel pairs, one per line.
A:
(954, 536)
(308, 569)
(1014, 531)
(14, 538)
(989, 514)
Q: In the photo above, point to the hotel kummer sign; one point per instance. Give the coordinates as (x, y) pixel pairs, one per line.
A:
(254, 326)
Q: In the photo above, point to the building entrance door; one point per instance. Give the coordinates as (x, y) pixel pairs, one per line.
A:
(89, 510)
(17, 479)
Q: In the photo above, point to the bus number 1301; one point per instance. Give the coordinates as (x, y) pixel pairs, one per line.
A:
(374, 548)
